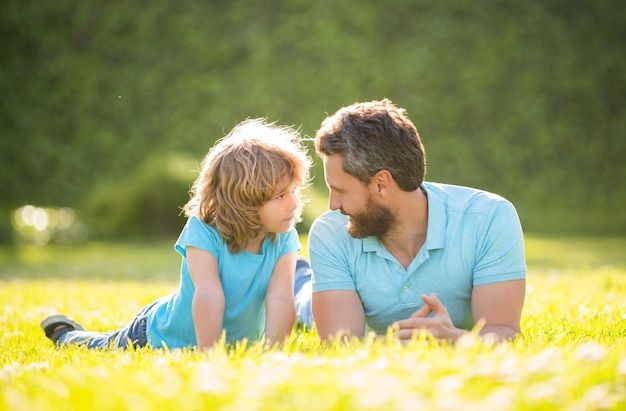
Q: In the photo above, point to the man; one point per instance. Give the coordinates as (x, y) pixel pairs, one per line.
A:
(397, 251)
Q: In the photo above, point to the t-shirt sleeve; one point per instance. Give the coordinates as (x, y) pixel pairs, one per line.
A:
(500, 254)
(328, 251)
(290, 241)
(198, 234)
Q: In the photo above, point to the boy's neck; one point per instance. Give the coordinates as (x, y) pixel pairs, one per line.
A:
(254, 246)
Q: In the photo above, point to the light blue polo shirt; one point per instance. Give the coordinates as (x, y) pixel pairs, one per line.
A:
(473, 237)
(244, 276)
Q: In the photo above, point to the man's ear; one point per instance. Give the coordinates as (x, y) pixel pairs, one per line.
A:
(382, 182)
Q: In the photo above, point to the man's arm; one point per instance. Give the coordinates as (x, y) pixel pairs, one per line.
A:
(499, 305)
(500, 260)
(338, 313)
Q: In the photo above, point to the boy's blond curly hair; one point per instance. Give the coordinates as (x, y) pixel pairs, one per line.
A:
(241, 173)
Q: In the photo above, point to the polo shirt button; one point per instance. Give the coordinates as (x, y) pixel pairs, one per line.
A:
(405, 288)
(397, 265)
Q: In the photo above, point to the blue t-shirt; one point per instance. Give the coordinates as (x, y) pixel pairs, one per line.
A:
(244, 276)
(473, 237)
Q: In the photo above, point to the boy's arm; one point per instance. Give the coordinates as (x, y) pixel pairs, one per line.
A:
(207, 307)
(279, 301)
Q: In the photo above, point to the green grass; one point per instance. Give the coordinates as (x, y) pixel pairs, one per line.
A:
(572, 355)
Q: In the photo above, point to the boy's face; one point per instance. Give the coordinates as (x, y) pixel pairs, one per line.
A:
(278, 215)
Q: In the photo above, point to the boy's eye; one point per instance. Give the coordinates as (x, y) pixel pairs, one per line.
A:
(282, 195)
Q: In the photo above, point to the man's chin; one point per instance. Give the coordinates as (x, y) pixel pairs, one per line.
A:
(354, 232)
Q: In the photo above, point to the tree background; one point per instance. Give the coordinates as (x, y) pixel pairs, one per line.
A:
(106, 106)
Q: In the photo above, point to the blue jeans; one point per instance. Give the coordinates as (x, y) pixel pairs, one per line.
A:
(134, 332)
(302, 293)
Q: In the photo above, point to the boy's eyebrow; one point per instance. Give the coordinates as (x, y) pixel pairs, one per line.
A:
(284, 188)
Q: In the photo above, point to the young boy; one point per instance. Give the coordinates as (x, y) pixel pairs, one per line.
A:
(239, 250)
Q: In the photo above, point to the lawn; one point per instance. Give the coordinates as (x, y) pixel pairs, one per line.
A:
(572, 354)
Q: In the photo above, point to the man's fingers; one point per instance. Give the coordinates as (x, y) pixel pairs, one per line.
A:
(408, 333)
(432, 301)
(411, 324)
(419, 321)
(423, 312)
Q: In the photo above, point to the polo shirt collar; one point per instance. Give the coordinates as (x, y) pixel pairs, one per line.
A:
(371, 244)
(437, 218)
(435, 233)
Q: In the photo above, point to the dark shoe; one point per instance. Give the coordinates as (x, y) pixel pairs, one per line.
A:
(64, 324)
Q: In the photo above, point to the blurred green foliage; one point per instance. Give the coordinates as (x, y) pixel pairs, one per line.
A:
(521, 98)
(147, 203)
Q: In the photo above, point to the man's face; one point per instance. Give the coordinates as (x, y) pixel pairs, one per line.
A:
(367, 217)
(375, 220)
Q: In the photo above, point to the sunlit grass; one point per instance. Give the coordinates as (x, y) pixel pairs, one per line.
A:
(572, 354)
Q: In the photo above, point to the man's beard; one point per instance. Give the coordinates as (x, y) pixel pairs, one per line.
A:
(376, 220)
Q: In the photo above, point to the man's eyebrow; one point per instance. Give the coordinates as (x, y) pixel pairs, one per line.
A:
(335, 188)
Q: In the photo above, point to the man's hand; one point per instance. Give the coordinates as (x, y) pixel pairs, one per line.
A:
(439, 325)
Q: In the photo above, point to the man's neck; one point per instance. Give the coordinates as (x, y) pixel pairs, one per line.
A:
(408, 235)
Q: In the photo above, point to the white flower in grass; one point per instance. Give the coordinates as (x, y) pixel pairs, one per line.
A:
(376, 392)
(599, 396)
(411, 401)
(547, 360)
(37, 366)
(209, 378)
(10, 370)
(449, 383)
(380, 364)
(549, 390)
(621, 367)
(451, 401)
(590, 352)
(509, 369)
(467, 341)
(500, 399)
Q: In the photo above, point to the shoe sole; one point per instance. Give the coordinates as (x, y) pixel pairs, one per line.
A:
(49, 324)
